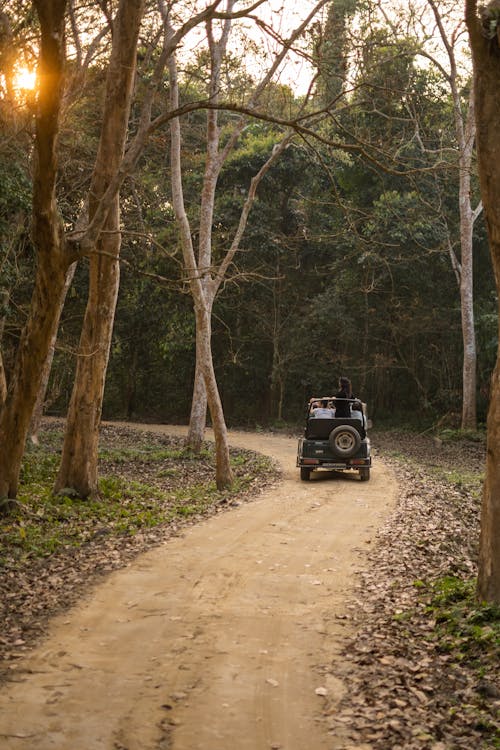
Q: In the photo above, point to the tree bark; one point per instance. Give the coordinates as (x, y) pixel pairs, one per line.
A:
(223, 471)
(4, 296)
(198, 416)
(3, 383)
(488, 584)
(466, 137)
(26, 378)
(53, 259)
(469, 418)
(78, 469)
(486, 62)
(213, 165)
(37, 414)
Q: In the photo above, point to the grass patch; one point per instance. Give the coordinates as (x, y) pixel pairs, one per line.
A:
(449, 435)
(152, 454)
(42, 523)
(467, 633)
(470, 482)
(466, 628)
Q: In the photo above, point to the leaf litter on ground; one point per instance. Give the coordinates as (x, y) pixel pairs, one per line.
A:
(417, 676)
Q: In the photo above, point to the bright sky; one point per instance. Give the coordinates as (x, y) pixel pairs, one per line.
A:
(283, 16)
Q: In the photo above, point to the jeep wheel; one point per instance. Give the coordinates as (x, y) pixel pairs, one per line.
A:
(305, 474)
(364, 474)
(344, 441)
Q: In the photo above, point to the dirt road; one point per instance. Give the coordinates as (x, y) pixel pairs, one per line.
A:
(214, 641)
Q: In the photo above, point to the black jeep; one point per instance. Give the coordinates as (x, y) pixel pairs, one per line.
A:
(335, 443)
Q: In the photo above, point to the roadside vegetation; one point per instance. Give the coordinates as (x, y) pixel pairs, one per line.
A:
(422, 668)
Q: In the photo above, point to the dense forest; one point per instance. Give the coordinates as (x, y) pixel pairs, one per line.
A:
(219, 209)
(345, 266)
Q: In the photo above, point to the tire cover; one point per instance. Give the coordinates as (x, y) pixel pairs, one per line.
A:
(344, 441)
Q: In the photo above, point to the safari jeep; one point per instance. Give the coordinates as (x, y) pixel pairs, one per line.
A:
(335, 443)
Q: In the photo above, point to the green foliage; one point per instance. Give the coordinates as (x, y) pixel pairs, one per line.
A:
(451, 435)
(15, 189)
(464, 625)
(344, 266)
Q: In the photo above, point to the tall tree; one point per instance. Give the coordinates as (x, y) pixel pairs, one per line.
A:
(484, 35)
(332, 46)
(78, 468)
(101, 239)
(53, 255)
(465, 136)
(205, 278)
(411, 28)
(56, 250)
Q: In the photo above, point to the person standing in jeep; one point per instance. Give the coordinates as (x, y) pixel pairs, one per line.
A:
(343, 408)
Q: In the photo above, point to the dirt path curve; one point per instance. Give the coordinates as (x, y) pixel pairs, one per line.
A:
(214, 641)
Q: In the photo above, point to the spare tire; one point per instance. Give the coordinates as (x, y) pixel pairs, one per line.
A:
(344, 441)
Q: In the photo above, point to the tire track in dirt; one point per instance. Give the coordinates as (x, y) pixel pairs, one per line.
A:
(215, 640)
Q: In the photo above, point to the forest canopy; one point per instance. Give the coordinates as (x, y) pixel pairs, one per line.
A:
(345, 266)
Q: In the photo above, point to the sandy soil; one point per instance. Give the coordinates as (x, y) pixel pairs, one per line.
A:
(216, 640)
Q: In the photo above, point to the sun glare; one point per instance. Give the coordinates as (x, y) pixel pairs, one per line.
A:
(24, 79)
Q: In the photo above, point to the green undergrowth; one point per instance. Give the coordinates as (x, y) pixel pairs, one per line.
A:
(468, 628)
(467, 631)
(457, 435)
(145, 482)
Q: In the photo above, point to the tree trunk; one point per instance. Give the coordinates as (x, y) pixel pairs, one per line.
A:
(199, 282)
(3, 383)
(486, 61)
(37, 415)
(488, 584)
(466, 137)
(4, 296)
(223, 471)
(53, 258)
(39, 331)
(198, 416)
(467, 307)
(78, 469)
(465, 134)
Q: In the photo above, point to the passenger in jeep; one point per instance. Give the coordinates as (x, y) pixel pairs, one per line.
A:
(324, 411)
